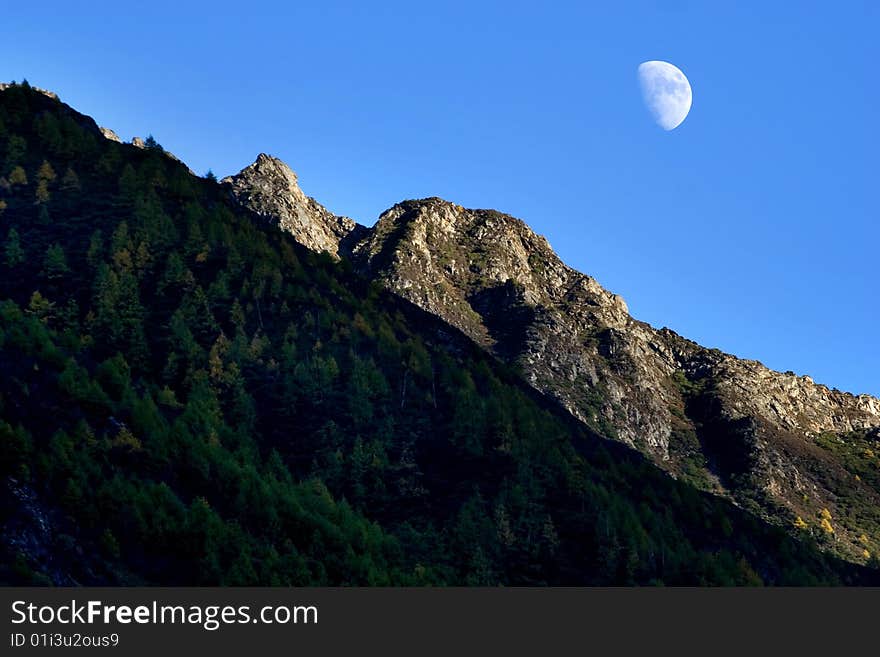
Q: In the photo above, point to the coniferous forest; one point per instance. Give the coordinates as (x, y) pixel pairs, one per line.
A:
(188, 396)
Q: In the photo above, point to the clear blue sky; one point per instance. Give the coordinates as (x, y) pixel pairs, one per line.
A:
(754, 227)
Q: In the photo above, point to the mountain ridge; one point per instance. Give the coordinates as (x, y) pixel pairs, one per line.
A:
(734, 426)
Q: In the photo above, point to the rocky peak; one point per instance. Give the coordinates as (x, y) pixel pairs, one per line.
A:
(728, 425)
(271, 189)
(472, 252)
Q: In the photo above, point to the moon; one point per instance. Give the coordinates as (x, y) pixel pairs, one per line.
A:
(666, 92)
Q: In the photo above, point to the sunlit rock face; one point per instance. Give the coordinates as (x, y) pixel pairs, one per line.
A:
(270, 188)
(109, 134)
(51, 94)
(728, 425)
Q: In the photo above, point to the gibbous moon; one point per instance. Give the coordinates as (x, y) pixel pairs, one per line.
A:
(666, 91)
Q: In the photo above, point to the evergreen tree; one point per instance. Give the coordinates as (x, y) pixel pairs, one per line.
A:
(128, 183)
(45, 176)
(41, 308)
(70, 181)
(16, 147)
(46, 173)
(55, 263)
(18, 176)
(152, 144)
(95, 252)
(13, 252)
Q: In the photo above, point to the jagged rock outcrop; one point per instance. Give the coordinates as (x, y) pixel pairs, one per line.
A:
(270, 188)
(51, 94)
(109, 134)
(728, 425)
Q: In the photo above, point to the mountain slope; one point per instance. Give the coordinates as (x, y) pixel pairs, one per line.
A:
(728, 425)
(190, 397)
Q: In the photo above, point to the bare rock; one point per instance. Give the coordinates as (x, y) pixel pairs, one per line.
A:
(270, 188)
(109, 134)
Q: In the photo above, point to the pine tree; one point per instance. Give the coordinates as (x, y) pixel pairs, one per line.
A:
(42, 193)
(95, 253)
(18, 177)
(55, 263)
(15, 448)
(41, 308)
(13, 251)
(15, 150)
(46, 172)
(70, 181)
(128, 183)
(152, 144)
(45, 176)
(49, 131)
